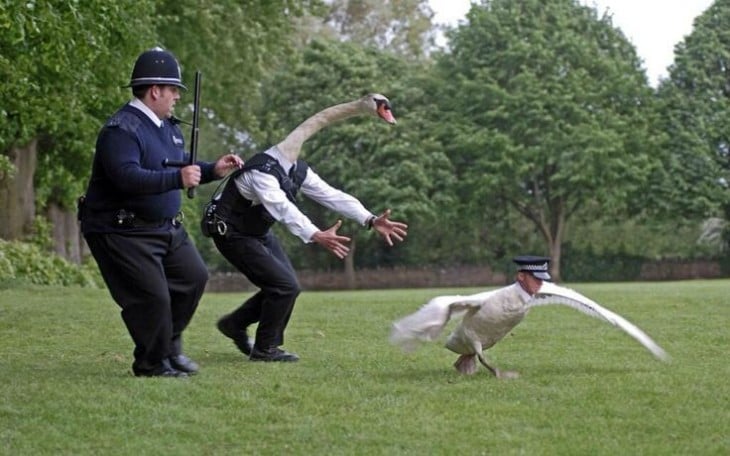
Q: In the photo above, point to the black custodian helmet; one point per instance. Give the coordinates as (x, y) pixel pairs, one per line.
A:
(156, 66)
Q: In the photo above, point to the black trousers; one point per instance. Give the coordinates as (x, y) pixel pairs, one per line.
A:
(262, 260)
(157, 278)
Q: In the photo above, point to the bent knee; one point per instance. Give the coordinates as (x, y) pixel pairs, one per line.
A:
(289, 288)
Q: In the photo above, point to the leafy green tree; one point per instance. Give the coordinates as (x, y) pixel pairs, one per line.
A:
(549, 114)
(62, 64)
(695, 108)
(402, 27)
(234, 44)
(384, 166)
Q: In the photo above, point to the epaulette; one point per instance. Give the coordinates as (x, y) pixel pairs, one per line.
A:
(262, 162)
(269, 165)
(124, 120)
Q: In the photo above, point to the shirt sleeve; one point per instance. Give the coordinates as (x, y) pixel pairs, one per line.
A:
(263, 188)
(316, 189)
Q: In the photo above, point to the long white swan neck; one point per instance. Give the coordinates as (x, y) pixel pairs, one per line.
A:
(291, 146)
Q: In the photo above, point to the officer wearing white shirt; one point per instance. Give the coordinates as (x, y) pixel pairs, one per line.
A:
(261, 193)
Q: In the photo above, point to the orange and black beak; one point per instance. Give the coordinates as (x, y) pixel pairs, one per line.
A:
(385, 113)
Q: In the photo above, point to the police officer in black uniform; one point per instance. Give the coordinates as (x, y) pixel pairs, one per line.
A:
(129, 217)
(254, 198)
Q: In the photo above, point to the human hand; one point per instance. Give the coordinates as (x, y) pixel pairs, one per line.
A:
(389, 229)
(190, 176)
(330, 240)
(226, 164)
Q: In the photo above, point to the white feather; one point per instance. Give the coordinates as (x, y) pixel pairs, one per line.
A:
(428, 322)
(550, 293)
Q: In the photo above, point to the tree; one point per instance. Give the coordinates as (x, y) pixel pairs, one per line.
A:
(695, 102)
(402, 27)
(234, 44)
(553, 113)
(61, 63)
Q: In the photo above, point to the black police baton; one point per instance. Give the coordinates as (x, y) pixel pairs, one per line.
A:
(193, 134)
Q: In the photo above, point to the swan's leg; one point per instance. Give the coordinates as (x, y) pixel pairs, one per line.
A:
(497, 373)
(466, 364)
(484, 362)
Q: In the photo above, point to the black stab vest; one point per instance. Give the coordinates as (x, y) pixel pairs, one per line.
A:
(238, 212)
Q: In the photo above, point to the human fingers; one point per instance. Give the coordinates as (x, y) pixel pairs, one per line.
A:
(333, 229)
(190, 176)
(339, 249)
(234, 161)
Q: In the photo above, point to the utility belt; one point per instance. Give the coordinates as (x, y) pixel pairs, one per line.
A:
(211, 224)
(129, 219)
(123, 218)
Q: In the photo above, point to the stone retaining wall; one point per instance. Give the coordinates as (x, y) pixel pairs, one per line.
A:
(465, 276)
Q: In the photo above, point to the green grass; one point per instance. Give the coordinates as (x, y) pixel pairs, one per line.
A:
(585, 388)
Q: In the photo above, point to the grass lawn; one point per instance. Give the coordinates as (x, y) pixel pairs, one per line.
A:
(585, 388)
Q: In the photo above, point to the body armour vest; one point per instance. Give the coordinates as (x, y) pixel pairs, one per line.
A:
(239, 212)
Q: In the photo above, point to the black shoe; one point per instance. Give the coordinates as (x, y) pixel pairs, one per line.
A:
(239, 336)
(272, 354)
(184, 364)
(161, 370)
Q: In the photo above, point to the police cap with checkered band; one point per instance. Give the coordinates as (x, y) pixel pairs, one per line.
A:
(538, 266)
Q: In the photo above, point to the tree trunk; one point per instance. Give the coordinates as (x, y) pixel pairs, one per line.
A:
(67, 239)
(556, 249)
(350, 278)
(17, 196)
(556, 245)
(552, 226)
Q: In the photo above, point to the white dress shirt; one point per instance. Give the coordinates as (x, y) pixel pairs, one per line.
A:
(263, 188)
(137, 103)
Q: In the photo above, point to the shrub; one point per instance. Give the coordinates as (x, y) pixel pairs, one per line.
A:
(28, 263)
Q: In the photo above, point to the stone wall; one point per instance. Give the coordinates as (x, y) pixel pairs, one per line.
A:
(465, 276)
(681, 270)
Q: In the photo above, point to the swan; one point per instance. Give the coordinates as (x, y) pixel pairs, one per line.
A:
(491, 315)
(373, 104)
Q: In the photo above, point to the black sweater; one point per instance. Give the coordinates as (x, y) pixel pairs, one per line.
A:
(128, 171)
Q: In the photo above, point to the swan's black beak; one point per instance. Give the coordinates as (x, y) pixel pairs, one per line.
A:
(385, 113)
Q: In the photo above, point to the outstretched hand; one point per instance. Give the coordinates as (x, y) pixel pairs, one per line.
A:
(330, 240)
(389, 229)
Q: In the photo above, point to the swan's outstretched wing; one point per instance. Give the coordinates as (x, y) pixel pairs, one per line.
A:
(550, 293)
(427, 322)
